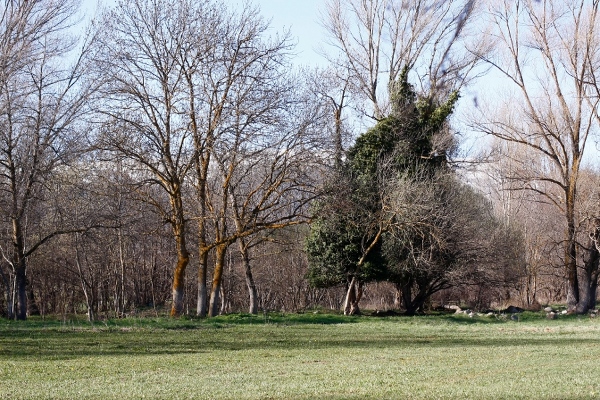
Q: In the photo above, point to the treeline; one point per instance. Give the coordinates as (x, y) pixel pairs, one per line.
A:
(173, 156)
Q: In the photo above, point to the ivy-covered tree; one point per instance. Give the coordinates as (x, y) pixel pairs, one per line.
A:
(345, 242)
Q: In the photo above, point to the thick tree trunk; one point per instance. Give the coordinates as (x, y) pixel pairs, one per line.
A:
(183, 258)
(179, 283)
(407, 300)
(584, 293)
(213, 307)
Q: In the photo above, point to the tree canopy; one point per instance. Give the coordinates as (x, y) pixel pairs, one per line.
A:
(395, 210)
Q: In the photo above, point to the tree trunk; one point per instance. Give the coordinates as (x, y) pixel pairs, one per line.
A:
(406, 289)
(183, 256)
(591, 272)
(571, 263)
(178, 283)
(84, 285)
(8, 282)
(593, 291)
(183, 259)
(201, 306)
(120, 300)
(20, 267)
(584, 293)
(21, 286)
(353, 296)
(213, 308)
(250, 284)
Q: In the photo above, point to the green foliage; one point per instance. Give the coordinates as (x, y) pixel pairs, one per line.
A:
(345, 221)
(334, 248)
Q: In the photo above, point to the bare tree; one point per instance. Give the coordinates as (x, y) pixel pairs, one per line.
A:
(551, 113)
(539, 222)
(265, 163)
(204, 89)
(377, 39)
(148, 104)
(41, 98)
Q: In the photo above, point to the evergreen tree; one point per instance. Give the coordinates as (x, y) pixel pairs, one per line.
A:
(345, 243)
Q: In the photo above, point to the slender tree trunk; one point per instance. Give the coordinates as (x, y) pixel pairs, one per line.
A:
(213, 308)
(591, 269)
(201, 306)
(121, 300)
(593, 290)
(250, 284)
(8, 282)
(202, 163)
(84, 286)
(20, 270)
(21, 286)
(571, 249)
(353, 296)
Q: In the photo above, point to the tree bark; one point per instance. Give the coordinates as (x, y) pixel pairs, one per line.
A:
(8, 282)
(20, 266)
(406, 290)
(571, 262)
(179, 283)
(250, 284)
(201, 306)
(84, 285)
(590, 275)
(353, 296)
(213, 308)
(183, 257)
(21, 283)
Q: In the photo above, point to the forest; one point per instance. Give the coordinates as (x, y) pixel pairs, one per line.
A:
(169, 156)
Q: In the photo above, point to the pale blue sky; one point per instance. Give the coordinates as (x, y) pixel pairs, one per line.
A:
(302, 18)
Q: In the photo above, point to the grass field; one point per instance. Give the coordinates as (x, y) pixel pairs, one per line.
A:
(302, 356)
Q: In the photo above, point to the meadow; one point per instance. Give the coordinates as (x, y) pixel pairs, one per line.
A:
(302, 356)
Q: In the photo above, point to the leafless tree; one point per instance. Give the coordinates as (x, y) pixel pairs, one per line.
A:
(42, 97)
(539, 222)
(148, 105)
(202, 88)
(544, 49)
(265, 164)
(376, 39)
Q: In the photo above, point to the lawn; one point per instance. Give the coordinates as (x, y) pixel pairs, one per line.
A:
(302, 356)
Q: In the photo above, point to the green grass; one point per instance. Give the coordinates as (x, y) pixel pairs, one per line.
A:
(302, 356)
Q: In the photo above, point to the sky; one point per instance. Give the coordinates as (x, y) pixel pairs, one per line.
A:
(302, 18)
